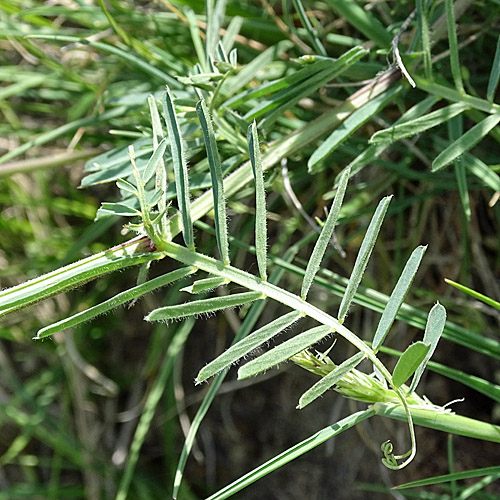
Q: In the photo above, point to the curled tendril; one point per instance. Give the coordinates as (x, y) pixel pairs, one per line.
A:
(390, 460)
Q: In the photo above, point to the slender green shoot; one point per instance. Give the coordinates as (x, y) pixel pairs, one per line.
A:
(452, 40)
(423, 27)
(494, 75)
(465, 142)
(150, 405)
(456, 476)
(311, 32)
(476, 295)
(292, 453)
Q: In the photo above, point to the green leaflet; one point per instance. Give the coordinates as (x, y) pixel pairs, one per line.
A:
(217, 180)
(117, 300)
(324, 237)
(203, 306)
(397, 297)
(260, 200)
(155, 164)
(284, 351)
(180, 168)
(409, 362)
(204, 284)
(363, 256)
(419, 125)
(330, 380)
(433, 331)
(248, 344)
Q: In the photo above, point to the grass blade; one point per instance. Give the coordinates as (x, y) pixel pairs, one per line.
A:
(217, 181)
(62, 130)
(203, 306)
(330, 380)
(456, 476)
(152, 400)
(324, 237)
(419, 125)
(350, 125)
(466, 142)
(292, 453)
(455, 131)
(287, 98)
(260, 200)
(363, 20)
(363, 256)
(284, 351)
(423, 27)
(123, 54)
(494, 75)
(276, 85)
(311, 32)
(117, 300)
(247, 345)
(372, 152)
(482, 171)
(398, 296)
(196, 38)
(476, 295)
(453, 44)
(132, 253)
(180, 168)
(433, 331)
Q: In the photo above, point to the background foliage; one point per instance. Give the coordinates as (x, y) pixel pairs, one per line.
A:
(69, 406)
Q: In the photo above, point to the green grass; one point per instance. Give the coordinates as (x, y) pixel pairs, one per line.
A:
(330, 291)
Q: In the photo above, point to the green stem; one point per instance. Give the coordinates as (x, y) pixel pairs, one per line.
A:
(441, 421)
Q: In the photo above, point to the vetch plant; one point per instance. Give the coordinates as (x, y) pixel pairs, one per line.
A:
(209, 137)
(386, 392)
